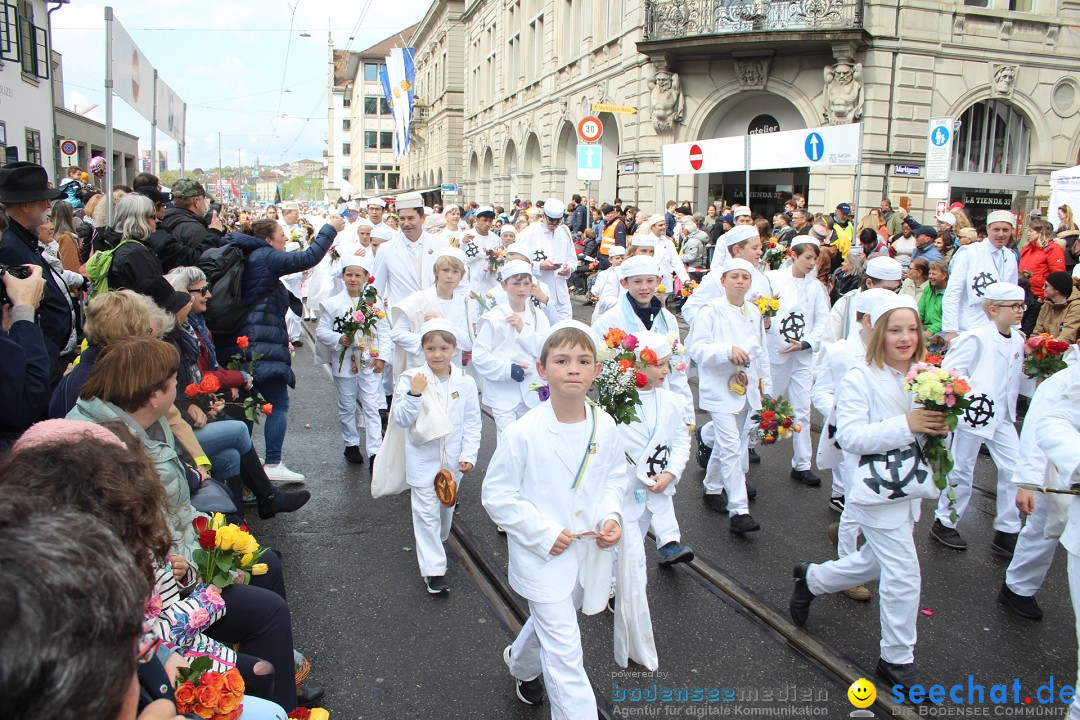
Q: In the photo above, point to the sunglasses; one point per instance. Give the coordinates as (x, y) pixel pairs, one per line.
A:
(204, 290)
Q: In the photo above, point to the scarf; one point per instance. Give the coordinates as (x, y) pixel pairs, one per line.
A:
(198, 323)
(189, 350)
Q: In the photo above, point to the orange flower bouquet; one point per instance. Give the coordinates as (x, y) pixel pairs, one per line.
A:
(208, 694)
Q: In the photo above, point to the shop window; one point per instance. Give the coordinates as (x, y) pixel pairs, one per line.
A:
(993, 137)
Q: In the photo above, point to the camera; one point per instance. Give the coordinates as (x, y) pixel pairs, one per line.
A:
(20, 271)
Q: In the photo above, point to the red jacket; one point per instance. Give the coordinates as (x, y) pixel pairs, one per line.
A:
(1040, 262)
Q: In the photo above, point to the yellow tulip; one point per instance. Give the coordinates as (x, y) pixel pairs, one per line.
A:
(246, 560)
(259, 569)
(319, 714)
(661, 288)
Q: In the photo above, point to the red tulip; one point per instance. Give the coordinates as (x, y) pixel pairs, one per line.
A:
(266, 409)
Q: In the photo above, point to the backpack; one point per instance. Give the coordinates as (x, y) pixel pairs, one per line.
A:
(98, 267)
(224, 269)
(73, 193)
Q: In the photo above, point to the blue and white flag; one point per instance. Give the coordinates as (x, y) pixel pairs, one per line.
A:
(400, 74)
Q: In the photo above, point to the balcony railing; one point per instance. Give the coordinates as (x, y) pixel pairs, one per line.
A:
(668, 19)
(421, 114)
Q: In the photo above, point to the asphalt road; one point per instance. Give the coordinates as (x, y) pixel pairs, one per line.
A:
(383, 648)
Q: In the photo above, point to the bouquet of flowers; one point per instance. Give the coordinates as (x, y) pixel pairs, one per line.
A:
(661, 289)
(223, 549)
(496, 258)
(541, 389)
(359, 325)
(208, 694)
(776, 420)
(688, 289)
(253, 405)
(204, 393)
(775, 254)
(1043, 356)
(678, 353)
(618, 382)
(943, 391)
(486, 301)
(298, 236)
(769, 305)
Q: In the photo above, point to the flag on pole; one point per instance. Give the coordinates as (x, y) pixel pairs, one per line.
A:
(384, 78)
(277, 194)
(400, 77)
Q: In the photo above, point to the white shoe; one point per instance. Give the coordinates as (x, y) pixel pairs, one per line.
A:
(281, 473)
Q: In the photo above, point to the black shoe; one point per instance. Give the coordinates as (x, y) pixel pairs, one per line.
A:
(837, 503)
(353, 455)
(371, 464)
(704, 452)
(806, 477)
(716, 503)
(1004, 543)
(309, 695)
(1026, 606)
(753, 456)
(743, 523)
(904, 675)
(437, 585)
(282, 501)
(947, 536)
(801, 597)
(611, 604)
(751, 492)
(530, 692)
(298, 343)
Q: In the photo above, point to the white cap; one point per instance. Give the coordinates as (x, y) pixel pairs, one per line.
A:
(554, 208)
(741, 211)
(448, 208)
(617, 251)
(1003, 291)
(1001, 216)
(438, 324)
(576, 325)
(381, 233)
(734, 264)
(640, 265)
(866, 300)
(428, 210)
(290, 205)
(485, 209)
(895, 302)
(379, 202)
(364, 223)
(643, 240)
(804, 240)
(534, 212)
(738, 234)
(883, 268)
(519, 249)
(361, 261)
(657, 218)
(514, 267)
(405, 201)
(452, 252)
(657, 342)
(508, 228)
(947, 217)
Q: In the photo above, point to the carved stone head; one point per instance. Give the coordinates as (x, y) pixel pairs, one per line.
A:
(1004, 78)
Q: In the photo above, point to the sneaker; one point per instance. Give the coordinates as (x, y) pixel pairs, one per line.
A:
(280, 473)
(530, 692)
(611, 604)
(906, 676)
(1004, 543)
(704, 452)
(806, 477)
(801, 597)
(859, 592)
(751, 492)
(837, 503)
(675, 552)
(716, 503)
(1026, 606)
(947, 536)
(353, 455)
(437, 585)
(752, 455)
(282, 501)
(744, 523)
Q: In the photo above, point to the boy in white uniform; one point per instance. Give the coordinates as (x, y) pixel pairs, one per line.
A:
(727, 342)
(359, 372)
(440, 394)
(541, 292)
(973, 271)
(607, 288)
(475, 243)
(553, 253)
(881, 272)
(556, 483)
(991, 356)
(507, 347)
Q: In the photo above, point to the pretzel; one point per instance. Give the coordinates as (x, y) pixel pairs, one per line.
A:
(446, 488)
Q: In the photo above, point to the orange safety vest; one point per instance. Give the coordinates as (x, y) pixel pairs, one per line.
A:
(607, 240)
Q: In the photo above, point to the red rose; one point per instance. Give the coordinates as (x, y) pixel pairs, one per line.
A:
(200, 523)
(640, 380)
(764, 425)
(787, 422)
(300, 714)
(1056, 347)
(242, 342)
(207, 539)
(266, 409)
(371, 279)
(768, 415)
(191, 390)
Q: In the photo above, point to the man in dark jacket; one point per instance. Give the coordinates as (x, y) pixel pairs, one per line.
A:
(24, 361)
(579, 218)
(169, 250)
(186, 220)
(26, 197)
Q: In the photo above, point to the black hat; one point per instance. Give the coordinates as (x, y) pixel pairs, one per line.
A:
(924, 230)
(606, 208)
(1060, 281)
(164, 295)
(23, 182)
(684, 210)
(154, 194)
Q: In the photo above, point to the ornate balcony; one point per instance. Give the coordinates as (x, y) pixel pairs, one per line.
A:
(682, 27)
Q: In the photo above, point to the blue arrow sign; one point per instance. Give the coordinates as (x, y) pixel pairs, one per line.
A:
(814, 147)
(940, 135)
(589, 162)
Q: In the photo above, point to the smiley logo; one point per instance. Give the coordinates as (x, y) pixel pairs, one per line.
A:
(862, 693)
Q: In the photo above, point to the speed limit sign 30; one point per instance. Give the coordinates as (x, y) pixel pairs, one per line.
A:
(590, 129)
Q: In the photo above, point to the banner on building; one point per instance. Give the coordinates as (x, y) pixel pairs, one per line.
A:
(811, 147)
(398, 81)
(132, 73)
(170, 112)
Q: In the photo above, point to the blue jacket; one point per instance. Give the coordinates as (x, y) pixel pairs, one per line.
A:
(265, 322)
(24, 377)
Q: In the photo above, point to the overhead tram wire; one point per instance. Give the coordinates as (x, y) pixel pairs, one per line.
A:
(284, 70)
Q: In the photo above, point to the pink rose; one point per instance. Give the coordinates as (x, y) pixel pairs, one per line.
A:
(950, 400)
(630, 343)
(358, 316)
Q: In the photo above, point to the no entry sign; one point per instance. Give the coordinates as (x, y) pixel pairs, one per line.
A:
(696, 156)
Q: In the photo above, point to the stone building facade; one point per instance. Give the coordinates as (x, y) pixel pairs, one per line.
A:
(699, 69)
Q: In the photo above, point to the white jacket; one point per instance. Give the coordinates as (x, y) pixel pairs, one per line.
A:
(528, 492)
(710, 289)
(1054, 417)
(993, 366)
(657, 443)
(498, 296)
(717, 328)
(396, 273)
(499, 345)
(670, 261)
(833, 364)
(480, 279)
(556, 247)
(843, 316)
(608, 290)
(407, 317)
(970, 273)
(328, 348)
(803, 315)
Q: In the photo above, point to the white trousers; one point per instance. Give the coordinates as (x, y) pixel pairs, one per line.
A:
(550, 643)
(1074, 595)
(709, 437)
(839, 470)
(728, 463)
(888, 554)
(793, 379)
(1033, 555)
(504, 417)
(368, 388)
(1005, 452)
(431, 526)
(293, 324)
(663, 522)
(847, 535)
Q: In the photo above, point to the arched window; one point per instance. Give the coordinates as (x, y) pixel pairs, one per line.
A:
(993, 138)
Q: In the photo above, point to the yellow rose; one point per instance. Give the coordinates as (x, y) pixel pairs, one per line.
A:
(319, 714)
(259, 569)
(247, 559)
(217, 522)
(226, 538)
